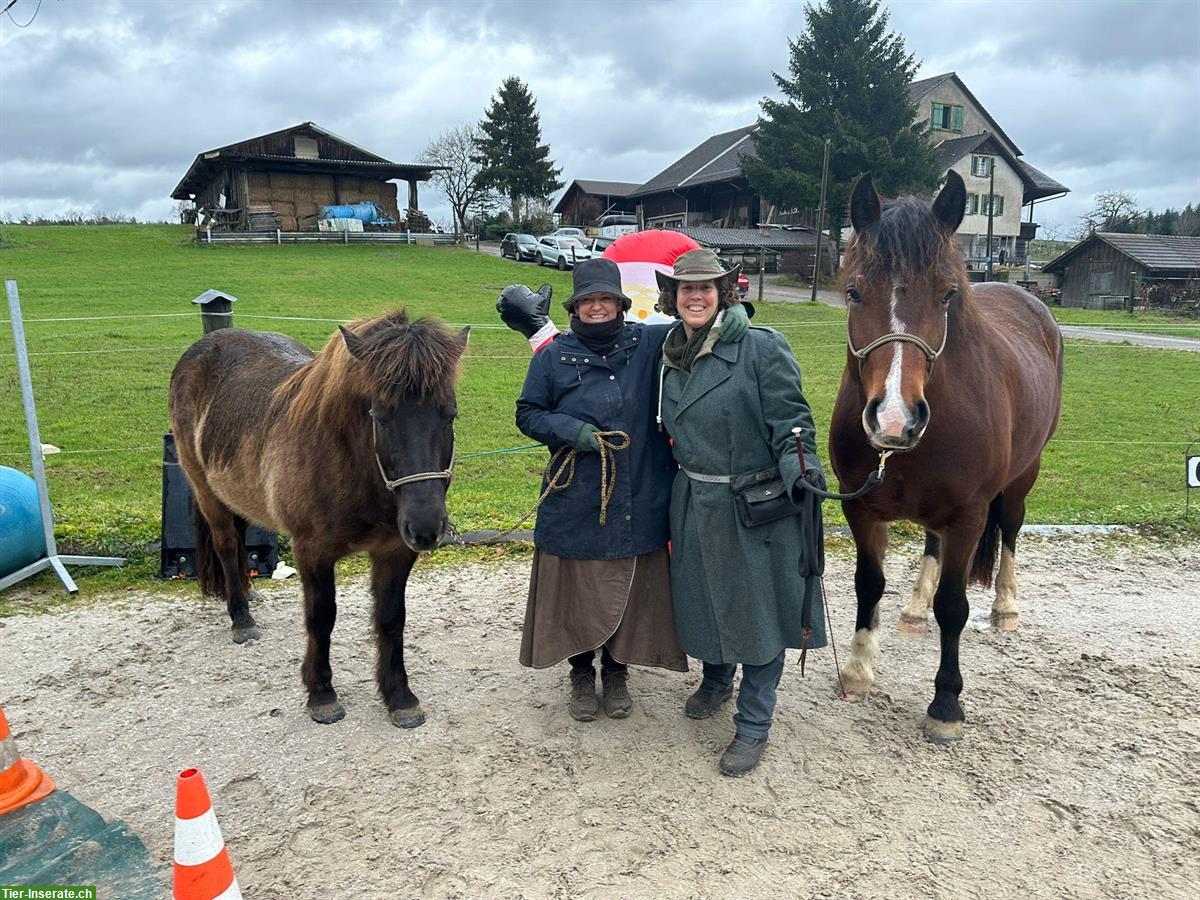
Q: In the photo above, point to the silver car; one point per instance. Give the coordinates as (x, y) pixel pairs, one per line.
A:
(560, 252)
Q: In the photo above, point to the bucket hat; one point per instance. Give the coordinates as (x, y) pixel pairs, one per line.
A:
(597, 276)
(697, 265)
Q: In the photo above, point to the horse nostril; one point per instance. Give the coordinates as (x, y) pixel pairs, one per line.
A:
(870, 415)
(922, 416)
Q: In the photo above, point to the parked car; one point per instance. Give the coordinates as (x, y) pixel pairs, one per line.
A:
(571, 232)
(559, 251)
(616, 224)
(599, 245)
(518, 246)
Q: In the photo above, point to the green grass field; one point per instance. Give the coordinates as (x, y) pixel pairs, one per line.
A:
(101, 385)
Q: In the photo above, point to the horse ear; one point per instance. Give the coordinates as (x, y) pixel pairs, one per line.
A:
(461, 338)
(353, 343)
(951, 203)
(865, 207)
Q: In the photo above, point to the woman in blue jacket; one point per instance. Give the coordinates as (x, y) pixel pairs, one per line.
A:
(602, 586)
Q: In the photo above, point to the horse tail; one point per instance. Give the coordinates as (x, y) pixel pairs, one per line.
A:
(984, 563)
(208, 565)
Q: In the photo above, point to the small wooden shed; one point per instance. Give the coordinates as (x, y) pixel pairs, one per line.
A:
(1096, 273)
(280, 180)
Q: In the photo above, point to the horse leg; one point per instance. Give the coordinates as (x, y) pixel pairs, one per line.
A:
(944, 722)
(389, 575)
(915, 616)
(224, 542)
(870, 537)
(320, 613)
(1005, 614)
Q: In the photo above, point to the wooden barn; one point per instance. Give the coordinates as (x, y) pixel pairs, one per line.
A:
(1097, 272)
(280, 180)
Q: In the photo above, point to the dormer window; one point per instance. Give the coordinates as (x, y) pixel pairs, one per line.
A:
(981, 166)
(947, 118)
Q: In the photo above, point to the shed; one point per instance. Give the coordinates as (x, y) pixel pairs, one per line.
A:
(281, 179)
(586, 200)
(1096, 272)
(789, 250)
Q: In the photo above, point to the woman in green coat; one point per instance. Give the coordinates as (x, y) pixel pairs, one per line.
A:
(741, 594)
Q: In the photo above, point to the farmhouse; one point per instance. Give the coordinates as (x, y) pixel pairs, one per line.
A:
(280, 180)
(1106, 268)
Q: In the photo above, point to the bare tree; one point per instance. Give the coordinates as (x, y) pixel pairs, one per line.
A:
(453, 149)
(1111, 211)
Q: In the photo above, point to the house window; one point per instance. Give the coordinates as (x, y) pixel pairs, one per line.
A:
(998, 199)
(980, 166)
(972, 204)
(947, 118)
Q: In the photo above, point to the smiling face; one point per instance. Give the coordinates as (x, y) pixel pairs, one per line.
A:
(596, 308)
(696, 303)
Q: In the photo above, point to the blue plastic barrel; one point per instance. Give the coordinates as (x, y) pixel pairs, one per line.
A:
(21, 538)
(366, 211)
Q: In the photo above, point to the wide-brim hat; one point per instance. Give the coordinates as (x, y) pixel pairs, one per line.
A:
(697, 265)
(597, 276)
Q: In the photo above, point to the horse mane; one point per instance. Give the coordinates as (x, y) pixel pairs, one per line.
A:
(399, 357)
(907, 241)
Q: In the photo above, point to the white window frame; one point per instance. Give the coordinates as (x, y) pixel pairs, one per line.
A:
(975, 165)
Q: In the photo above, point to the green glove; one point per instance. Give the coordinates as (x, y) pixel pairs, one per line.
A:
(734, 325)
(586, 439)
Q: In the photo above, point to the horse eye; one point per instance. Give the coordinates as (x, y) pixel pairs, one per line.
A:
(949, 295)
(853, 295)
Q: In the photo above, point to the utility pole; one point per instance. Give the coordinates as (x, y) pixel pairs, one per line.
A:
(820, 222)
(991, 212)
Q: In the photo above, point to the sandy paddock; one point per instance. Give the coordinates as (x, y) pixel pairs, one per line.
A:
(1079, 774)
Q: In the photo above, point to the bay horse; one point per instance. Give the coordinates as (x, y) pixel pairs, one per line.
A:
(348, 451)
(964, 385)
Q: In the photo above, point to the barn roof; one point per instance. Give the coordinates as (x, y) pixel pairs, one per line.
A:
(617, 189)
(1037, 184)
(715, 159)
(1157, 252)
(918, 90)
(777, 239)
(350, 158)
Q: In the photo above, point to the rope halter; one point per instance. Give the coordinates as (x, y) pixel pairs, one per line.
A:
(895, 337)
(393, 483)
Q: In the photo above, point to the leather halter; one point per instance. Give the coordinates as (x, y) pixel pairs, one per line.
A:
(393, 483)
(897, 337)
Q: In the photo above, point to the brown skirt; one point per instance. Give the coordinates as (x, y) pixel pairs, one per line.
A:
(577, 605)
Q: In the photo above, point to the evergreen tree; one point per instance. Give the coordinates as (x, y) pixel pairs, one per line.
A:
(848, 81)
(512, 157)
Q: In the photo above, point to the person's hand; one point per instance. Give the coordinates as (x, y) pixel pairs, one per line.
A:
(814, 477)
(586, 440)
(734, 324)
(524, 310)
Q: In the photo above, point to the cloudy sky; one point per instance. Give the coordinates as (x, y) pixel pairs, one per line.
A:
(104, 103)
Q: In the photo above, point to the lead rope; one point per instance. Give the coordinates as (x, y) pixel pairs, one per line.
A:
(611, 442)
(833, 644)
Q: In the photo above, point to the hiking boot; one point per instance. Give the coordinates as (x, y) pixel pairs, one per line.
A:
(742, 755)
(704, 703)
(617, 703)
(584, 705)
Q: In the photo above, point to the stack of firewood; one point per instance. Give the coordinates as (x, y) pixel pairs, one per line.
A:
(263, 218)
(417, 220)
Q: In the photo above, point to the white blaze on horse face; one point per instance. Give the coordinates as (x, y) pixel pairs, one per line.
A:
(892, 414)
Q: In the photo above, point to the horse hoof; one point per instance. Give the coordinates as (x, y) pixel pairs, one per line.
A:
(939, 732)
(413, 717)
(327, 713)
(855, 690)
(912, 625)
(1005, 621)
(243, 633)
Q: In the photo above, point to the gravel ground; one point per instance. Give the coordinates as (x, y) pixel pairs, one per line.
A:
(1077, 776)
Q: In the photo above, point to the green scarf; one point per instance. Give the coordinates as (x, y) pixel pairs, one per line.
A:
(682, 350)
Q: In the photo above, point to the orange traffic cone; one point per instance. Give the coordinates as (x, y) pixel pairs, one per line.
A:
(203, 870)
(21, 782)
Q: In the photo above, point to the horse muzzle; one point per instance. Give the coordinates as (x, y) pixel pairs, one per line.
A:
(896, 427)
(421, 536)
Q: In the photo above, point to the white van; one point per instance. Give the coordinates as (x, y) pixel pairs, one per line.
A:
(615, 225)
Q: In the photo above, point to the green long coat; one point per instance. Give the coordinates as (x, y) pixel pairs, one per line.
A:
(740, 594)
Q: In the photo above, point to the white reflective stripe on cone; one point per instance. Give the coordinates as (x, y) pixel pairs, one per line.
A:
(230, 893)
(197, 840)
(8, 754)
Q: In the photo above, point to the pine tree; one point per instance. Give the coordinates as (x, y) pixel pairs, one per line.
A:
(848, 81)
(513, 158)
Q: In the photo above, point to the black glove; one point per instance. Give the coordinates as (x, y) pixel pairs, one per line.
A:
(815, 477)
(524, 311)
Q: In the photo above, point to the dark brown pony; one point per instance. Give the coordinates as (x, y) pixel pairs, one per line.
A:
(964, 385)
(347, 451)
